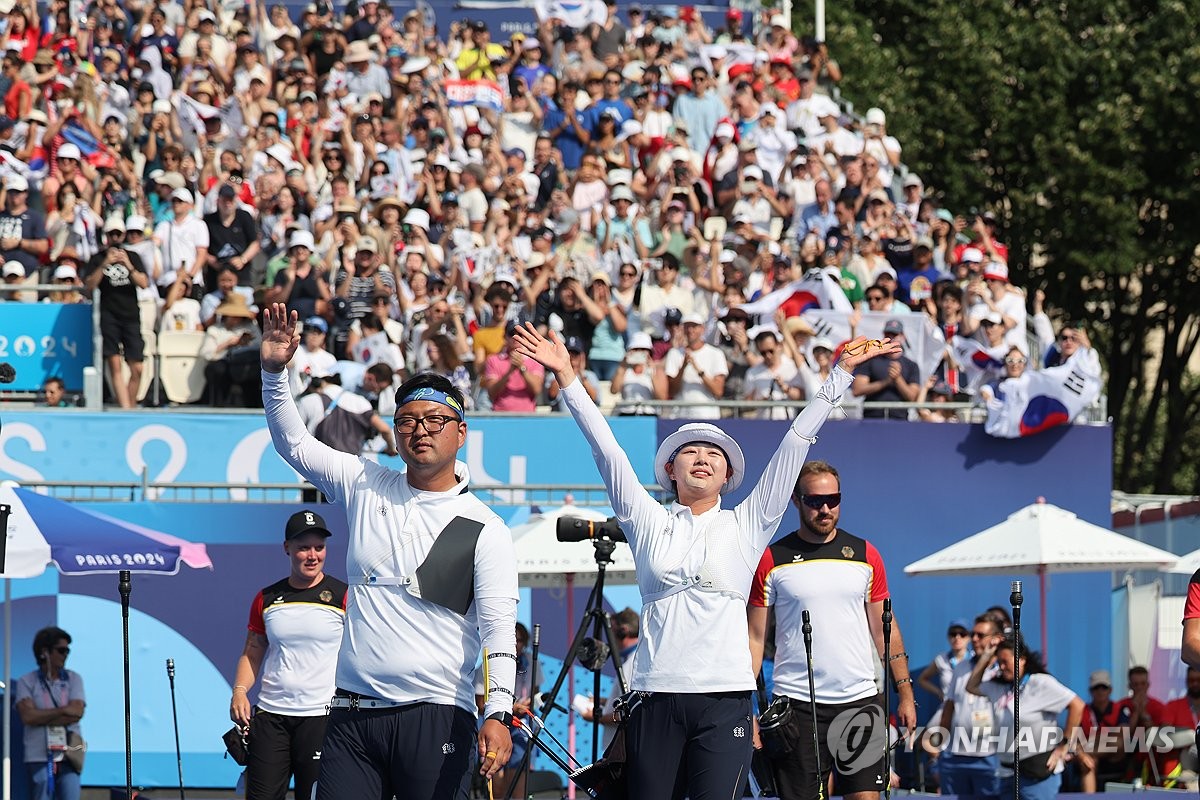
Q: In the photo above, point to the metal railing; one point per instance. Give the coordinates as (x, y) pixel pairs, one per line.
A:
(524, 494)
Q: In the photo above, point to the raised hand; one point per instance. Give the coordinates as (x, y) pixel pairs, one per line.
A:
(550, 353)
(863, 349)
(281, 337)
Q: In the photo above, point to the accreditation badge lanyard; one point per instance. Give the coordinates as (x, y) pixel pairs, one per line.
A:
(56, 735)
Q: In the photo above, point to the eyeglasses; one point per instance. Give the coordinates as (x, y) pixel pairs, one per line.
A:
(1012, 362)
(818, 501)
(434, 423)
(625, 274)
(63, 651)
(1068, 337)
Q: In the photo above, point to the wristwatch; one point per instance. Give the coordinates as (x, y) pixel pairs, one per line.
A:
(505, 718)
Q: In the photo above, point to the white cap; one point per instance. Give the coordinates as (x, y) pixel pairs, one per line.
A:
(16, 183)
(692, 319)
(621, 193)
(640, 341)
(418, 218)
(157, 107)
(281, 153)
(912, 179)
(302, 239)
(727, 256)
(752, 172)
(630, 127)
(971, 255)
(724, 130)
(65, 271)
(136, 222)
(823, 344)
(680, 154)
(114, 223)
(69, 150)
(779, 21)
(875, 116)
(14, 268)
(182, 194)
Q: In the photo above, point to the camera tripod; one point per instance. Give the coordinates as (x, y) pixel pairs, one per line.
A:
(590, 652)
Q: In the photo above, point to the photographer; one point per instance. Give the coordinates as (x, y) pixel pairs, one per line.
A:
(118, 274)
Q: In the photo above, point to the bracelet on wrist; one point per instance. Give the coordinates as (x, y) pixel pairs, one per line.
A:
(903, 681)
(239, 686)
(901, 654)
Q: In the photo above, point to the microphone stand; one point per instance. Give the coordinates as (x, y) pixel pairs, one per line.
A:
(175, 718)
(806, 629)
(125, 587)
(1015, 599)
(887, 699)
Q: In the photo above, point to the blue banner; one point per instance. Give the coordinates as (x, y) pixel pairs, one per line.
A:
(46, 340)
(212, 448)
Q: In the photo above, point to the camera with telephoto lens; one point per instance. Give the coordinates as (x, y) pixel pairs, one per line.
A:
(574, 529)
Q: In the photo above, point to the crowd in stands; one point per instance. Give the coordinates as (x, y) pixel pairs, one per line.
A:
(413, 193)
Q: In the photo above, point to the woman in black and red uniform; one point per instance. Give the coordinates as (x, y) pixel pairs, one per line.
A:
(295, 631)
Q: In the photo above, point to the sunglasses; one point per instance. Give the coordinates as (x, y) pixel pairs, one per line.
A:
(63, 651)
(959, 635)
(628, 274)
(818, 501)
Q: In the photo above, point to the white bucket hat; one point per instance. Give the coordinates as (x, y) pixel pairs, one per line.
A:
(700, 432)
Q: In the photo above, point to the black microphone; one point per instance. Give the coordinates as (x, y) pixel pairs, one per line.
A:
(806, 628)
(7, 373)
(1015, 599)
(171, 668)
(124, 586)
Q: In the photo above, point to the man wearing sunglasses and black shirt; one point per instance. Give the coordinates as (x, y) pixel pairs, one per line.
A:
(840, 579)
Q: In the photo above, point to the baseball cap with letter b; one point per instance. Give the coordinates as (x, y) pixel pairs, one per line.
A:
(303, 522)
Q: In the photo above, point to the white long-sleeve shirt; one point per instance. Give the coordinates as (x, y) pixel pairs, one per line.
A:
(697, 641)
(397, 646)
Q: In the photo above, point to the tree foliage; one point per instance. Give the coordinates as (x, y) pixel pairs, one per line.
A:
(1077, 122)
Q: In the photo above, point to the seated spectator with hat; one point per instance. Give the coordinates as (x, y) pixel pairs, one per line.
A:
(591, 384)
(231, 349)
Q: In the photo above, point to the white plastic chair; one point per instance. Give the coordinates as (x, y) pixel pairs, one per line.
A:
(180, 367)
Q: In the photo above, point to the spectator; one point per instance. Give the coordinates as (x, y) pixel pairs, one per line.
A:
(118, 273)
(773, 378)
(183, 240)
(695, 372)
(995, 294)
(895, 379)
(66, 277)
(224, 284)
(233, 239)
(231, 350)
(512, 383)
(1099, 714)
(341, 419)
(301, 284)
(180, 311)
(445, 360)
(637, 378)
(311, 356)
(577, 351)
(666, 293)
(936, 677)
(54, 393)
(22, 229)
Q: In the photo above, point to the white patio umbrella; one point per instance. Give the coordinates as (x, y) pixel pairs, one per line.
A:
(1187, 564)
(544, 562)
(1041, 539)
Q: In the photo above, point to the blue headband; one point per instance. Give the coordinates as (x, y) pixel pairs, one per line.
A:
(434, 396)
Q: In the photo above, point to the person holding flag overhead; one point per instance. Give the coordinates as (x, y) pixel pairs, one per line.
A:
(690, 732)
